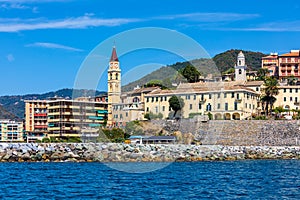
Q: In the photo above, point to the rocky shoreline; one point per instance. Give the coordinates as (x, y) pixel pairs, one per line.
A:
(112, 152)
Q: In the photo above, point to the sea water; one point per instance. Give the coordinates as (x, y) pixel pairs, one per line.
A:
(255, 179)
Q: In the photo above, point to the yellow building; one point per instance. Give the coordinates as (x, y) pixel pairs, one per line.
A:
(36, 116)
(288, 97)
(11, 131)
(224, 100)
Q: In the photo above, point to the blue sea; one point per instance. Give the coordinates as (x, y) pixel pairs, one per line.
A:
(255, 179)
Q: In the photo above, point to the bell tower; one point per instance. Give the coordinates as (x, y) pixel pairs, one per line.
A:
(113, 84)
(240, 68)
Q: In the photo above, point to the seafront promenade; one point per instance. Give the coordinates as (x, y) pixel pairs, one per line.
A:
(116, 152)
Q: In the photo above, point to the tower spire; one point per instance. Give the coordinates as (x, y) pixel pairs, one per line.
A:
(114, 57)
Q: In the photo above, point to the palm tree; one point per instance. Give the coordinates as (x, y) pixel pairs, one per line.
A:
(270, 90)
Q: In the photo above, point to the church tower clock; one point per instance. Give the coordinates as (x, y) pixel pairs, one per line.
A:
(113, 84)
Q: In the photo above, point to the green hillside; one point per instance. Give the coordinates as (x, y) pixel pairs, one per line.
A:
(4, 114)
(218, 64)
(15, 104)
(226, 60)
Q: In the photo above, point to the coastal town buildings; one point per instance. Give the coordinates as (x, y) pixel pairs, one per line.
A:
(58, 117)
(283, 66)
(11, 131)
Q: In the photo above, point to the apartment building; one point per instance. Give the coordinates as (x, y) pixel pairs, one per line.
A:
(75, 118)
(11, 131)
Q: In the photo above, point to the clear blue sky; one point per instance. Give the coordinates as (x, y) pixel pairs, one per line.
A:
(44, 42)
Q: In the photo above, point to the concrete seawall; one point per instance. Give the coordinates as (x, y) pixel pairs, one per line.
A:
(238, 132)
(111, 152)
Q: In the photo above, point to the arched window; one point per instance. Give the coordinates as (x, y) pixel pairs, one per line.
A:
(208, 107)
(111, 76)
(240, 71)
(117, 76)
(136, 100)
(240, 62)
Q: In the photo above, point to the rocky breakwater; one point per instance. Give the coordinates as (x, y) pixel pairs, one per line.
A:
(111, 152)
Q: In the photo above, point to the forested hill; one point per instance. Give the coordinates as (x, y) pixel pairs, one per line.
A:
(226, 60)
(14, 106)
(218, 64)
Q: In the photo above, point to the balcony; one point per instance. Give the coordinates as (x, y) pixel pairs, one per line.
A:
(40, 114)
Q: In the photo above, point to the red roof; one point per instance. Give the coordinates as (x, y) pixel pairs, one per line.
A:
(114, 56)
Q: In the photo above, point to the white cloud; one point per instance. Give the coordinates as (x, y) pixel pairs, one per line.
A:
(32, 1)
(290, 26)
(9, 6)
(86, 21)
(10, 58)
(209, 17)
(53, 46)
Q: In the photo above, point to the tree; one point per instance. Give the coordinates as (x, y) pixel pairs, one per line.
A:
(270, 90)
(262, 73)
(176, 103)
(191, 74)
(155, 83)
(134, 128)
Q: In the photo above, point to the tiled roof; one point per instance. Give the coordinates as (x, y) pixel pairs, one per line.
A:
(114, 56)
(201, 87)
(290, 54)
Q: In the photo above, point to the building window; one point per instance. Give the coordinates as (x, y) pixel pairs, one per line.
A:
(163, 108)
(219, 105)
(225, 95)
(191, 106)
(296, 90)
(257, 89)
(111, 76)
(284, 98)
(226, 106)
(127, 113)
(284, 90)
(235, 106)
(208, 107)
(296, 99)
(219, 95)
(240, 71)
(250, 106)
(291, 98)
(209, 96)
(165, 98)
(245, 105)
(147, 109)
(202, 97)
(147, 99)
(156, 109)
(156, 99)
(232, 94)
(291, 90)
(152, 99)
(238, 96)
(117, 76)
(195, 97)
(200, 106)
(121, 116)
(187, 97)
